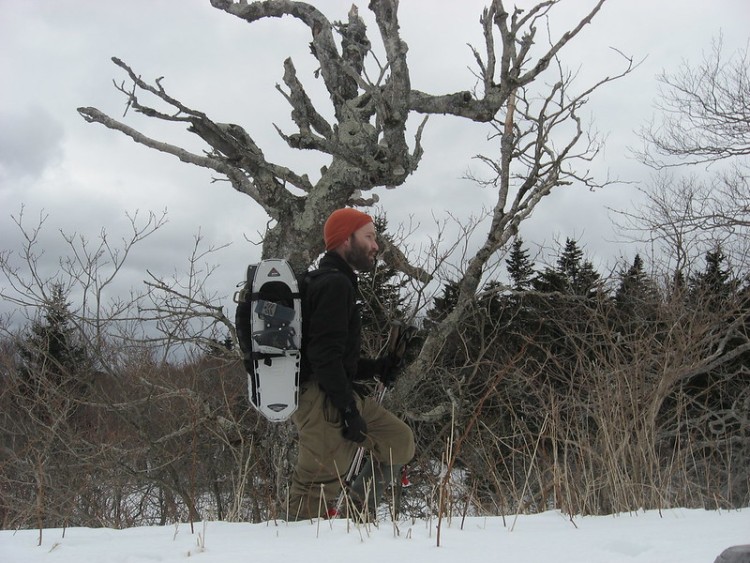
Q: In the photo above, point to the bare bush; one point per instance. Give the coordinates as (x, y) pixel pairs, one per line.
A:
(570, 403)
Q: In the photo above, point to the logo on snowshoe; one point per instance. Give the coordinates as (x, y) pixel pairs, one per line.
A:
(273, 273)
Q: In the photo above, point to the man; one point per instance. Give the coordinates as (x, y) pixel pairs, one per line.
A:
(333, 420)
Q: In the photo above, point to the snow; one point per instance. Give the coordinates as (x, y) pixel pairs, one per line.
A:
(652, 536)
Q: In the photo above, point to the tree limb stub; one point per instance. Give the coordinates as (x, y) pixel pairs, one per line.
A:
(396, 259)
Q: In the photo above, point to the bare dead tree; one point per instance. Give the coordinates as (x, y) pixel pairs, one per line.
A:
(367, 143)
(672, 221)
(704, 112)
(703, 119)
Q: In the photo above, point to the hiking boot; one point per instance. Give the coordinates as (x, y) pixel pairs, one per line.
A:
(366, 492)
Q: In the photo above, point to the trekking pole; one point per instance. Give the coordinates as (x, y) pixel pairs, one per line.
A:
(380, 390)
(359, 456)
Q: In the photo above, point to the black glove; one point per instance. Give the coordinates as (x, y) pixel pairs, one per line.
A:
(387, 369)
(355, 427)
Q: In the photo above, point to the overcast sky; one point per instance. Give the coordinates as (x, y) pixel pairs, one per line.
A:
(55, 56)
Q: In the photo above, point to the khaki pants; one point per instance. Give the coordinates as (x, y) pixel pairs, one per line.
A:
(324, 455)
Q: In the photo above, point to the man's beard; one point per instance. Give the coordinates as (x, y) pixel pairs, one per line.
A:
(358, 257)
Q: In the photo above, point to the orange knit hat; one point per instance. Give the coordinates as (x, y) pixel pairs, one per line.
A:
(341, 224)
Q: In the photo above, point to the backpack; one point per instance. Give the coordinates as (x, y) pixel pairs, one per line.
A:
(268, 321)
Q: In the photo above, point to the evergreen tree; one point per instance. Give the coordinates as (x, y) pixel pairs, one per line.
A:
(50, 348)
(714, 298)
(570, 260)
(634, 284)
(572, 274)
(632, 281)
(678, 284)
(714, 283)
(520, 268)
(636, 296)
(443, 305)
(588, 281)
(557, 318)
(53, 363)
(550, 280)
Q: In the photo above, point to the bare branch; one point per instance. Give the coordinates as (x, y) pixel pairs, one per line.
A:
(705, 113)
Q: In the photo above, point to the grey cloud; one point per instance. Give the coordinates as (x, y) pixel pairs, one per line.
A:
(30, 141)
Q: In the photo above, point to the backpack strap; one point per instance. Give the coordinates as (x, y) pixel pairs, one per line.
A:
(304, 279)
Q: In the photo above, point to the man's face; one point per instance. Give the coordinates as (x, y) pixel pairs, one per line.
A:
(361, 249)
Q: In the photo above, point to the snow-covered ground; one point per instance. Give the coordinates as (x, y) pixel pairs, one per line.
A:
(684, 536)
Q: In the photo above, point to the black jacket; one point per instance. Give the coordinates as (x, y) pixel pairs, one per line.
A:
(331, 331)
